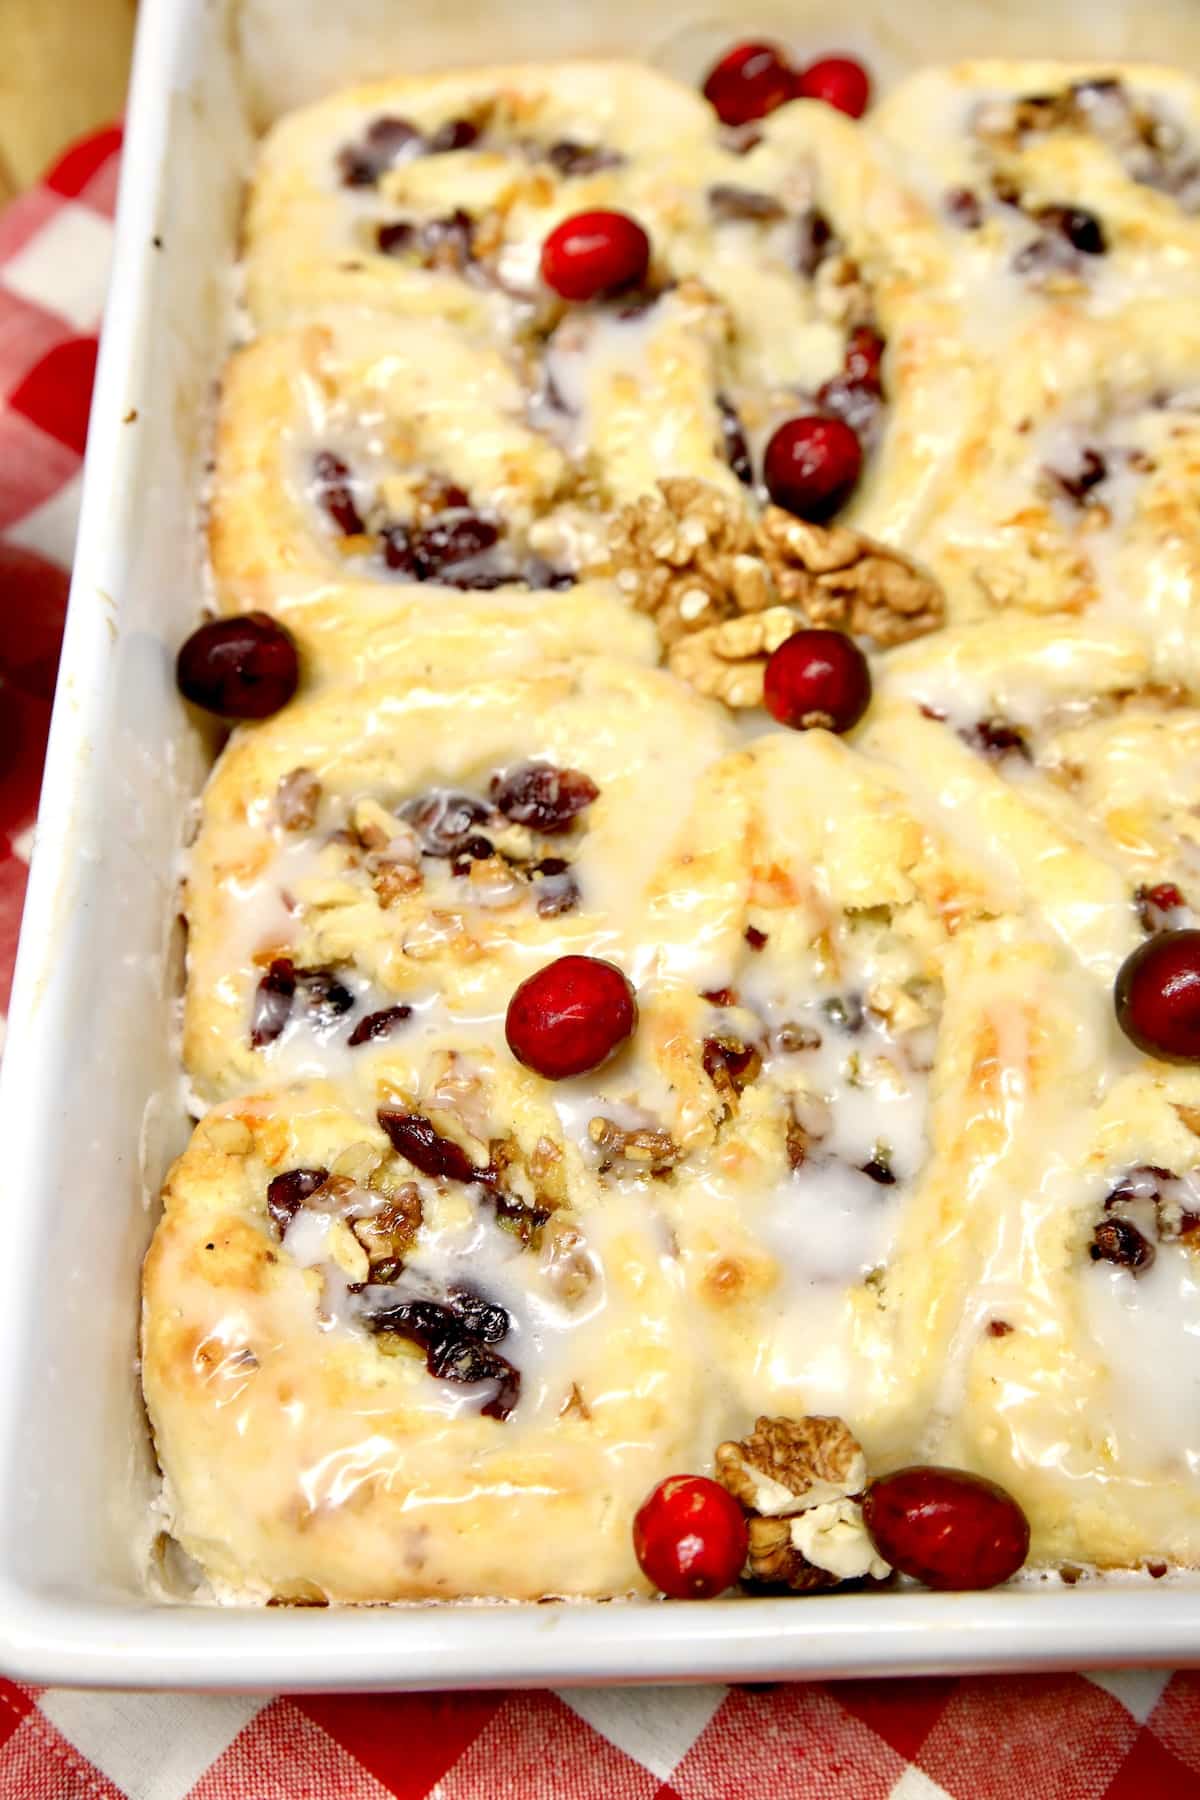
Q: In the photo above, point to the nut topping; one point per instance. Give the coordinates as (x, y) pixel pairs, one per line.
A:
(786, 1466)
(296, 800)
(725, 590)
(802, 1479)
(646, 1150)
(817, 1549)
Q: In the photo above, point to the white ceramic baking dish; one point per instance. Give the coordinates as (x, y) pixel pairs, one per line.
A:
(90, 1111)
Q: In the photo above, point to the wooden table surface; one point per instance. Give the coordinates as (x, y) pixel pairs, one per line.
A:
(63, 68)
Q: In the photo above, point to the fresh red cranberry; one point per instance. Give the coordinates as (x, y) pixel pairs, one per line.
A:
(811, 465)
(1158, 996)
(570, 1016)
(946, 1527)
(817, 678)
(690, 1537)
(592, 254)
(839, 81)
(750, 81)
(242, 668)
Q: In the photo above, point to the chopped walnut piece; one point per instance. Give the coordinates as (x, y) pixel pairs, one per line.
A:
(788, 1465)
(646, 1150)
(575, 1406)
(692, 557)
(392, 881)
(730, 1065)
(378, 829)
(297, 798)
(568, 1263)
(387, 1235)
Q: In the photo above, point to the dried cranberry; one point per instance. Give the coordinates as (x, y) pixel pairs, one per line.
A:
(840, 81)
(240, 668)
(1141, 1183)
(1082, 229)
(733, 442)
(817, 678)
(471, 581)
(455, 134)
(727, 202)
(814, 240)
(690, 1537)
(946, 1528)
(444, 819)
(729, 1063)
(273, 1003)
(396, 542)
(453, 1358)
(1118, 1241)
(540, 575)
(749, 82)
(1157, 996)
(593, 254)
(1155, 903)
(1078, 483)
(514, 1215)
(880, 1170)
(417, 1139)
(324, 994)
(452, 539)
(332, 476)
(444, 243)
(421, 1321)
(558, 891)
(544, 798)
(571, 159)
(963, 208)
(449, 242)
(484, 1319)
(996, 739)
(397, 238)
(811, 465)
(570, 1016)
(455, 1347)
(287, 1193)
(755, 938)
(378, 1025)
(386, 142)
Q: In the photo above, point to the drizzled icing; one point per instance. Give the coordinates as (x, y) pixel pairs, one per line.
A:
(876, 1148)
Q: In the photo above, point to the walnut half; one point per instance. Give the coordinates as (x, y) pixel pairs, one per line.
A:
(787, 1465)
(802, 1481)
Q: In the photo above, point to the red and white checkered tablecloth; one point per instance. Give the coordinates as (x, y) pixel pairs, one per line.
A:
(1128, 1735)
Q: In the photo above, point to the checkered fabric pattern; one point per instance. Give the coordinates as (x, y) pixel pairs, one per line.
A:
(1123, 1735)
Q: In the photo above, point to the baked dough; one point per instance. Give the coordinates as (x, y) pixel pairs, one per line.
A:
(368, 889)
(309, 1457)
(877, 1124)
